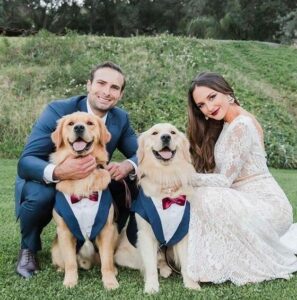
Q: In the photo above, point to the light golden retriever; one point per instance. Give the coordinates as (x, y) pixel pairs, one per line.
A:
(164, 170)
(77, 135)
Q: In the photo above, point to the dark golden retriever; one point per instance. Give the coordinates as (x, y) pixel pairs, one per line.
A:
(80, 134)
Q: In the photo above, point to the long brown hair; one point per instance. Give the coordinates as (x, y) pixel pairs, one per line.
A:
(203, 133)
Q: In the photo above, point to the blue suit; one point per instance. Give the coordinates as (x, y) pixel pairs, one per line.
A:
(34, 198)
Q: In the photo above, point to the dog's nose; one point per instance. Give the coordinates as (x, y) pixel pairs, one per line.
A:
(165, 138)
(79, 129)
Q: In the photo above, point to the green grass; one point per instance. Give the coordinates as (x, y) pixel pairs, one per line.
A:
(38, 69)
(48, 283)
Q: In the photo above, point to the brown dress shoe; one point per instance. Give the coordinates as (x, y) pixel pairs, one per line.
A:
(27, 263)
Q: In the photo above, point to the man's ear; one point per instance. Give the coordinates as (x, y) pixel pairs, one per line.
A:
(89, 83)
(121, 95)
(56, 136)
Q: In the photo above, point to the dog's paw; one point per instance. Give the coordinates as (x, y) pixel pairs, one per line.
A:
(151, 288)
(165, 271)
(70, 282)
(192, 285)
(110, 283)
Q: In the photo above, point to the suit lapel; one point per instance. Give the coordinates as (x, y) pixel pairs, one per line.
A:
(82, 105)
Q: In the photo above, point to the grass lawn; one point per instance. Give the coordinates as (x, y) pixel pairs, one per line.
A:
(48, 283)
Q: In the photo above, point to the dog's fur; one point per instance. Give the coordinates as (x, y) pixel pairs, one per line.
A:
(159, 178)
(91, 132)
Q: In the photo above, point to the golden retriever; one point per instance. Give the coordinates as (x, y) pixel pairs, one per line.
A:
(164, 170)
(80, 134)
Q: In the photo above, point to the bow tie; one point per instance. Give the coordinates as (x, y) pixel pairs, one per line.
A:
(92, 197)
(180, 200)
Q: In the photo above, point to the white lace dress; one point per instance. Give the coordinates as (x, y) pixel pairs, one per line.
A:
(239, 214)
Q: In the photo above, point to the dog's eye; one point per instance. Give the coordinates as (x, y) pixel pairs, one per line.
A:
(155, 133)
(71, 123)
(172, 132)
(90, 123)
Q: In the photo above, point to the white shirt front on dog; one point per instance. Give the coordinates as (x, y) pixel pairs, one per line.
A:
(85, 212)
(170, 217)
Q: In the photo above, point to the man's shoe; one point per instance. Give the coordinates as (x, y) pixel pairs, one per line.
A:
(27, 263)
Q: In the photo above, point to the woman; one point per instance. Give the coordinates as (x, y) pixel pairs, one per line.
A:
(241, 212)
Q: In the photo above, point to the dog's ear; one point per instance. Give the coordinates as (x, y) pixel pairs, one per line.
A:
(105, 136)
(56, 136)
(185, 146)
(140, 150)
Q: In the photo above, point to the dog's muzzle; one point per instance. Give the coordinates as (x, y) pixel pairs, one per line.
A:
(80, 145)
(165, 153)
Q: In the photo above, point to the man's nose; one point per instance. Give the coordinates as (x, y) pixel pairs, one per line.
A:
(106, 90)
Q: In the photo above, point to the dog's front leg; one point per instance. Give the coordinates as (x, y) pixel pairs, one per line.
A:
(182, 249)
(148, 249)
(67, 247)
(106, 242)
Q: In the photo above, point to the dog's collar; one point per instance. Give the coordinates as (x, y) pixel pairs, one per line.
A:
(169, 190)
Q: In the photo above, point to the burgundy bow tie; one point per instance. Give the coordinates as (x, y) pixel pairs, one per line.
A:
(92, 197)
(180, 200)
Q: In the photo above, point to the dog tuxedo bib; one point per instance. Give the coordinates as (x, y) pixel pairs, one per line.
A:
(169, 224)
(85, 217)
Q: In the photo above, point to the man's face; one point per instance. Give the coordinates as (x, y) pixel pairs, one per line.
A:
(105, 90)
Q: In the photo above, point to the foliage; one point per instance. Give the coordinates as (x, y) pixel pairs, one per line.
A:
(36, 70)
(288, 28)
(47, 284)
(229, 19)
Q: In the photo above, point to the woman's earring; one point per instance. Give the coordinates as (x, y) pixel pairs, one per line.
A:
(230, 99)
(206, 118)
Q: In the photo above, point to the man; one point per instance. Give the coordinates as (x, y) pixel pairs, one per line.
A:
(35, 183)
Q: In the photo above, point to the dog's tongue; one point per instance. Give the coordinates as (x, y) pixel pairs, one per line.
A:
(79, 146)
(166, 154)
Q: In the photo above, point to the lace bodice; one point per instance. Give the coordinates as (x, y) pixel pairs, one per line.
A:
(239, 155)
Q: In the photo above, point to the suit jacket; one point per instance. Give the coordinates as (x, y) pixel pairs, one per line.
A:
(35, 156)
(144, 206)
(65, 211)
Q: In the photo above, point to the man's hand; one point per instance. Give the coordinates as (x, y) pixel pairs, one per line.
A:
(75, 168)
(120, 170)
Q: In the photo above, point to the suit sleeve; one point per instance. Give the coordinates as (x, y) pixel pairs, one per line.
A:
(128, 141)
(35, 155)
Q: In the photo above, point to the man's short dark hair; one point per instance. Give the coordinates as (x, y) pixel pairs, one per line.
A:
(110, 65)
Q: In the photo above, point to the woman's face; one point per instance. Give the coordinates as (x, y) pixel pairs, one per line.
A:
(212, 104)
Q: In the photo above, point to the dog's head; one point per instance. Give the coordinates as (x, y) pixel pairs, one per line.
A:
(80, 133)
(163, 144)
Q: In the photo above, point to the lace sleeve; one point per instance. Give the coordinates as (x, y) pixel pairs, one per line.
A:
(233, 153)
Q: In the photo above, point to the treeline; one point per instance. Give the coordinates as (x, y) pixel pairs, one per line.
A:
(264, 20)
